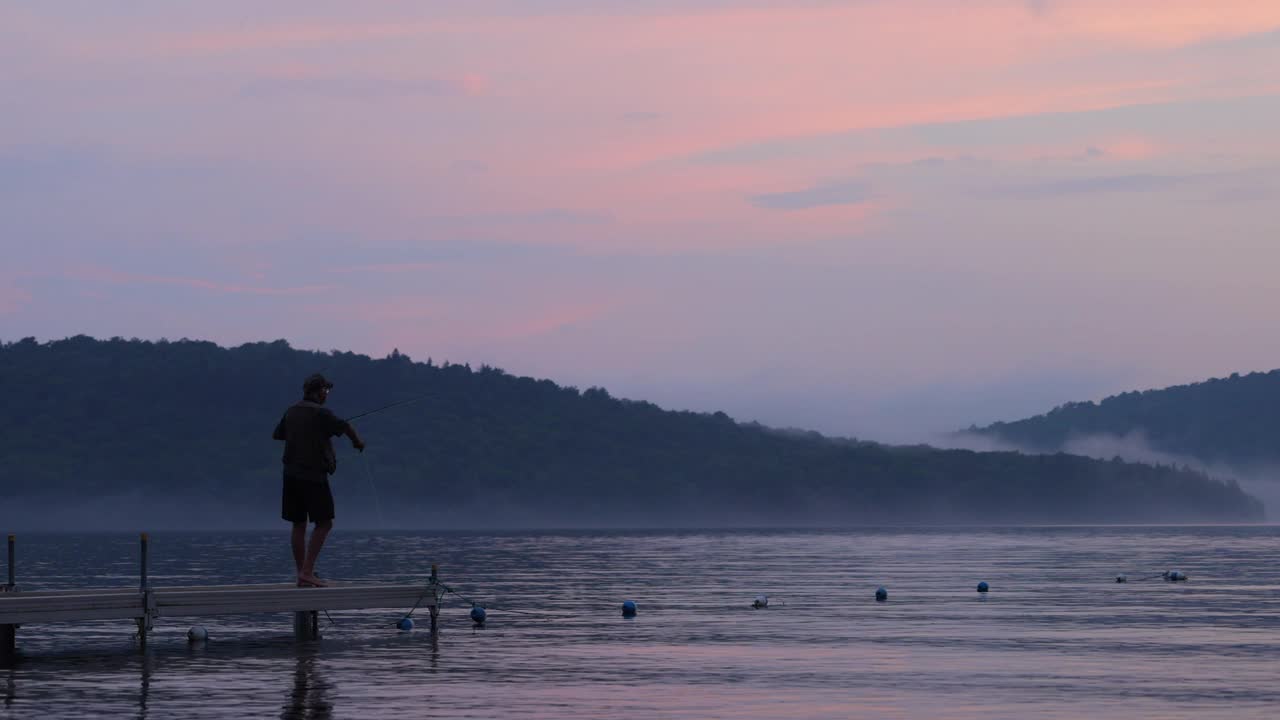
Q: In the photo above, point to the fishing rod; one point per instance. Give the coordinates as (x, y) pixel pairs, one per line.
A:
(388, 407)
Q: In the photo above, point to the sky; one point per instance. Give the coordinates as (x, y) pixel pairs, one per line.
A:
(870, 218)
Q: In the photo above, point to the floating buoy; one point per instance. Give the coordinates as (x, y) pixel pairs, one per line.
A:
(761, 602)
(628, 608)
(1122, 578)
(983, 586)
(881, 594)
(405, 624)
(477, 614)
(1175, 576)
(197, 634)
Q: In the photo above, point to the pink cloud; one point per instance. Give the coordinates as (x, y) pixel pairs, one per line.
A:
(1108, 148)
(536, 100)
(408, 267)
(12, 299)
(1130, 148)
(290, 35)
(770, 74)
(362, 84)
(102, 274)
(968, 26)
(481, 328)
(474, 83)
(552, 319)
(1163, 23)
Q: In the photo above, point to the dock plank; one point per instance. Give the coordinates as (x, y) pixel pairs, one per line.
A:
(18, 608)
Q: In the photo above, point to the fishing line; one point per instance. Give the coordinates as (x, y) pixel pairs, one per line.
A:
(368, 473)
(388, 407)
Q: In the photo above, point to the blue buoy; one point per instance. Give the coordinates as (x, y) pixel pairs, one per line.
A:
(881, 594)
(983, 586)
(197, 634)
(629, 608)
(477, 614)
(405, 624)
(1122, 578)
(761, 602)
(1175, 576)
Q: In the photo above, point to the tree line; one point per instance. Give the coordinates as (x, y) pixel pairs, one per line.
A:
(1233, 421)
(187, 424)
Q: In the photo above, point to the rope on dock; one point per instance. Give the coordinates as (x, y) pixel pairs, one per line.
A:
(426, 589)
(473, 603)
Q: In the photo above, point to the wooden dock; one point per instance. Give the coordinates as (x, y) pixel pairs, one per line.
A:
(144, 604)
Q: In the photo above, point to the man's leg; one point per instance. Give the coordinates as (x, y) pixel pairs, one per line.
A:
(320, 508)
(293, 508)
(298, 540)
(318, 535)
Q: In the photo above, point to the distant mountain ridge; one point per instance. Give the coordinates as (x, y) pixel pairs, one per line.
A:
(1222, 421)
(128, 433)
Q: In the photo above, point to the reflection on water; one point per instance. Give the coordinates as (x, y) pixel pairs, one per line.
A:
(1056, 637)
(309, 696)
(144, 687)
(8, 690)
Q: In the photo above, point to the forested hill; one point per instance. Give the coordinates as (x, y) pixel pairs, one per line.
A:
(1230, 421)
(138, 434)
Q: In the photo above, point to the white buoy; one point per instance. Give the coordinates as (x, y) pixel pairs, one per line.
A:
(761, 602)
(197, 634)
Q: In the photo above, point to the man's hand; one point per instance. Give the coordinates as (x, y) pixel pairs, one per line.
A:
(356, 442)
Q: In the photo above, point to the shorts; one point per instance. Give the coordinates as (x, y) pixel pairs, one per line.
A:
(306, 499)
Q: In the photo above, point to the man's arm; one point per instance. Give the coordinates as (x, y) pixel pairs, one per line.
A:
(356, 442)
(342, 427)
(278, 433)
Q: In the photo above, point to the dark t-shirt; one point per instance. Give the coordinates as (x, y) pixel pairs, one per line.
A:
(306, 429)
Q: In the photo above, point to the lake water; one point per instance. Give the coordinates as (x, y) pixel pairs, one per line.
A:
(1056, 637)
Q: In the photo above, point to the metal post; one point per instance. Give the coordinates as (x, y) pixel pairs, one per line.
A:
(8, 643)
(306, 625)
(144, 622)
(145, 541)
(435, 597)
(9, 633)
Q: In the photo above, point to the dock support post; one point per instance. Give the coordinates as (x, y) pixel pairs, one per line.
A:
(9, 633)
(8, 643)
(145, 542)
(435, 597)
(306, 625)
(148, 602)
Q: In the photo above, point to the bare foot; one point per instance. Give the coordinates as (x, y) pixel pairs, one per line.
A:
(308, 580)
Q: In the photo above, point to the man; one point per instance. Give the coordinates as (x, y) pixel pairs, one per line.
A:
(306, 429)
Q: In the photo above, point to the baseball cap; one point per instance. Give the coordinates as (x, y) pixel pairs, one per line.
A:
(315, 382)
